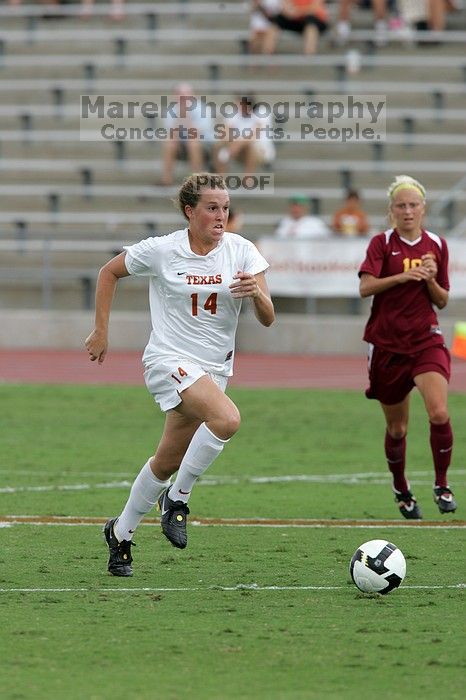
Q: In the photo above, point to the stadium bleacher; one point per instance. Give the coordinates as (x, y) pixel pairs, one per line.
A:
(66, 204)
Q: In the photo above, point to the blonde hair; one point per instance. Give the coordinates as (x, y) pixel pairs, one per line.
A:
(402, 182)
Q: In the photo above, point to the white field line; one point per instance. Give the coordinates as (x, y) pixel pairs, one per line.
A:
(65, 487)
(239, 522)
(377, 478)
(94, 473)
(239, 587)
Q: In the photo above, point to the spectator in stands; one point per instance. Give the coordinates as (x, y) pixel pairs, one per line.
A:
(198, 277)
(235, 221)
(180, 144)
(306, 17)
(260, 25)
(343, 22)
(406, 272)
(426, 14)
(248, 139)
(350, 219)
(299, 224)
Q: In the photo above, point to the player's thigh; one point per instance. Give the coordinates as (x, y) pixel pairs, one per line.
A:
(204, 400)
(431, 374)
(166, 378)
(434, 390)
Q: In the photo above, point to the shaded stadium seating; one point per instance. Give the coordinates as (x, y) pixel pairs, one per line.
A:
(56, 189)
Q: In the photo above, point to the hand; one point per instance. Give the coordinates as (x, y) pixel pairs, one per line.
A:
(430, 264)
(245, 285)
(415, 274)
(97, 344)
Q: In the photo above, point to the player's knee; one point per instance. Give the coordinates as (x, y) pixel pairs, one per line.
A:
(438, 415)
(233, 421)
(230, 422)
(397, 430)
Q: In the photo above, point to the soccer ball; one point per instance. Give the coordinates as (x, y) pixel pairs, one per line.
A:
(378, 566)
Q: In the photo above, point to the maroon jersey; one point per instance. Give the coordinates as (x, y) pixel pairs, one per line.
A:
(402, 318)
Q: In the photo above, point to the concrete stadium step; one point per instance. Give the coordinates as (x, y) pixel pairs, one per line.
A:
(288, 152)
(452, 122)
(223, 41)
(100, 171)
(221, 68)
(72, 88)
(153, 210)
(291, 175)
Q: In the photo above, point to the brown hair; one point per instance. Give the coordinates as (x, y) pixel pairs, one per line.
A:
(193, 186)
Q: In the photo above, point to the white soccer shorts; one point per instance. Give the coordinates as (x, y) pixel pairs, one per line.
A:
(167, 378)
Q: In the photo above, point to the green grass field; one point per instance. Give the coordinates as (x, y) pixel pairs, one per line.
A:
(245, 613)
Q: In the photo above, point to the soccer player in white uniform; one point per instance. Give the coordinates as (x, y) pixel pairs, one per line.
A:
(198, 278)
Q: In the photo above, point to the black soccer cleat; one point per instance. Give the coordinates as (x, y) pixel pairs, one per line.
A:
(119, 561)
(173, 520)
(443, 497)
(408, 506)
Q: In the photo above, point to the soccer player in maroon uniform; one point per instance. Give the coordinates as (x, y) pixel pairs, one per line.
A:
(406, 271)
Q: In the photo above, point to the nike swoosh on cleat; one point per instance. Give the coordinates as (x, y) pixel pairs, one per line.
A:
(163, 510)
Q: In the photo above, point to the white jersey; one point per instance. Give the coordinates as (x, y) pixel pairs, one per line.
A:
(299, 229)
(193, 312)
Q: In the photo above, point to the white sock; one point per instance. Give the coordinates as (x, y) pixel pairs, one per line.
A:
(144, 493)
(202, 450)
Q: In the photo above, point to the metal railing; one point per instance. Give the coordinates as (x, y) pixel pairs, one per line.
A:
(444, 211)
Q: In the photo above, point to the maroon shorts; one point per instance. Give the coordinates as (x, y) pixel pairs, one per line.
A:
(391, 375)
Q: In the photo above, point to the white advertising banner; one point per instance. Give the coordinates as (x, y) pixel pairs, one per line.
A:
(328, 268)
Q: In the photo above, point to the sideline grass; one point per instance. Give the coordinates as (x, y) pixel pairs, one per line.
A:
(210, 644)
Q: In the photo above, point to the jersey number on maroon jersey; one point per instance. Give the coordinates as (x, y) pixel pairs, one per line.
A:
(408, 263)
(210, 303)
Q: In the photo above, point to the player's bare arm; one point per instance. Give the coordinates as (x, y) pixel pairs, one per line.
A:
(97, 342)
(255, 287)
(438, 294)
(370, 285)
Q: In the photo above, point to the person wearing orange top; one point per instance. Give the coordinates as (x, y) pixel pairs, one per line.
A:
(306, 17)
(351, 219)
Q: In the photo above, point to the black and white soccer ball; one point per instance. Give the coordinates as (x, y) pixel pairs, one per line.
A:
(378, 566)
